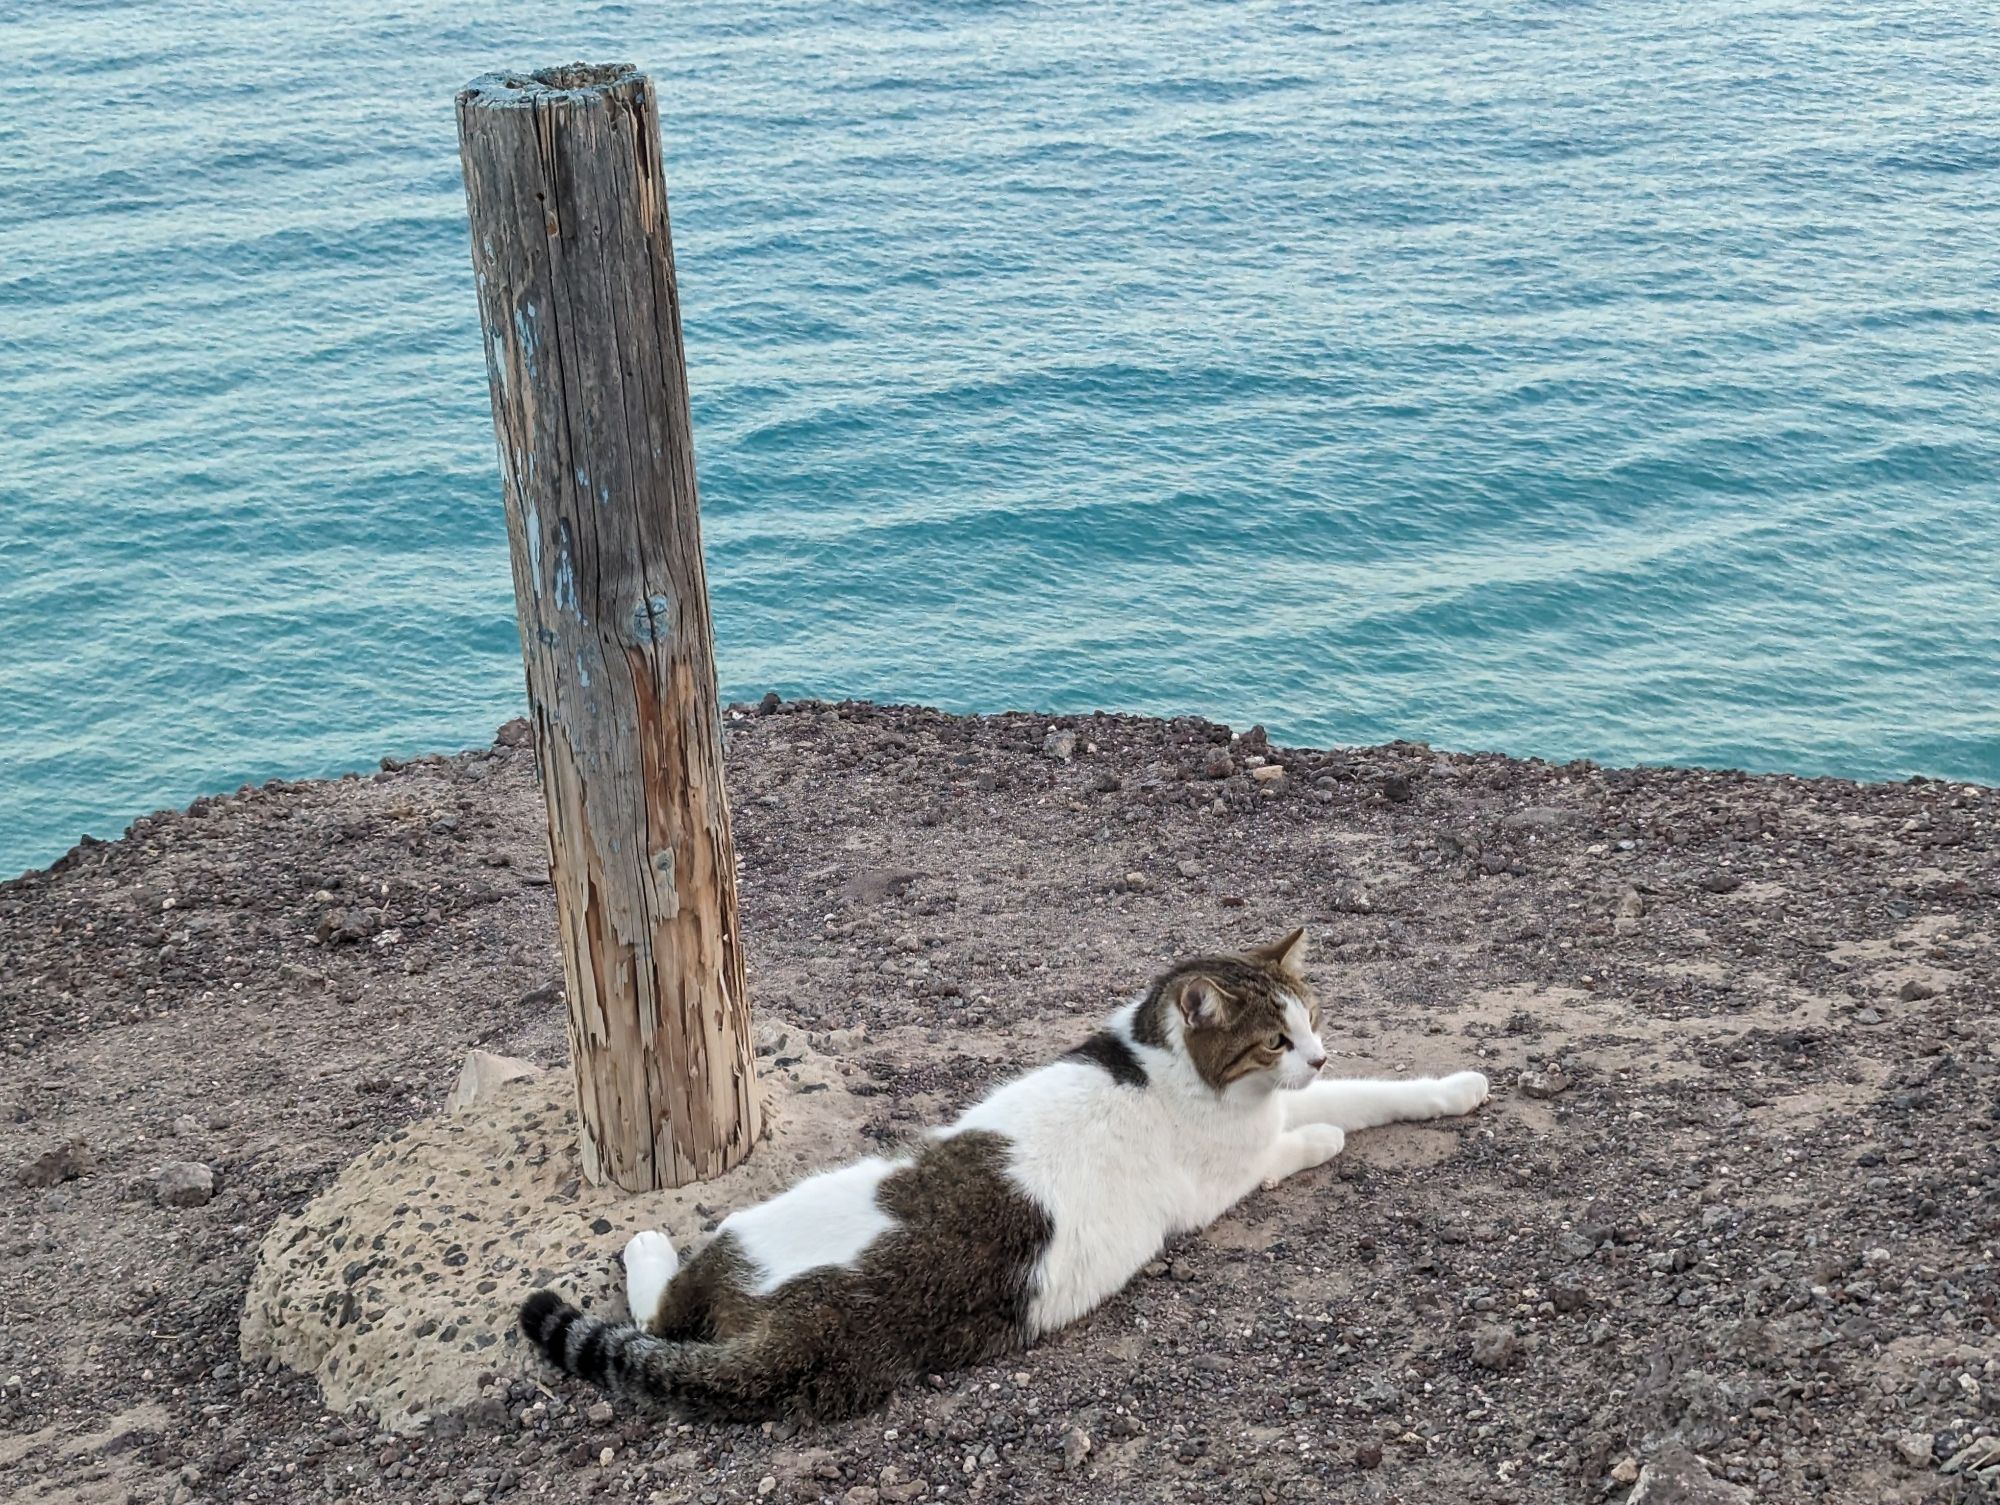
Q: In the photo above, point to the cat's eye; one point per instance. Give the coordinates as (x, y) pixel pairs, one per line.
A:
(1276, 1042)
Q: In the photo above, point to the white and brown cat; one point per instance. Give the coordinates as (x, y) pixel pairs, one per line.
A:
(1043, 1199)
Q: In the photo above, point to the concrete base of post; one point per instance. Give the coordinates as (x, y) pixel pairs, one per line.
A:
(396, 1288)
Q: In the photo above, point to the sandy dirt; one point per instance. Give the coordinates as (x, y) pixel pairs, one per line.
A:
(1738, 1191)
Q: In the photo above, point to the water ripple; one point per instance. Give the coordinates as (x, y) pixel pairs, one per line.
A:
(1617, 382)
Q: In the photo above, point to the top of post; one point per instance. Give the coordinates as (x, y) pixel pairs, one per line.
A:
(569, 83)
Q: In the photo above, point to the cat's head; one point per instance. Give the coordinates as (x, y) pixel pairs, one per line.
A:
(1246, 1021)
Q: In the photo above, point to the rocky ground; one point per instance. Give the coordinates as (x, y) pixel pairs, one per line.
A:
(1732, 1213)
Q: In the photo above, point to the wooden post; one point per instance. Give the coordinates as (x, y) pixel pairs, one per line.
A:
(575, 268)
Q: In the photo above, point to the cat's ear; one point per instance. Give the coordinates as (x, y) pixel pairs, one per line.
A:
(1288, 954)
(1202, 1002)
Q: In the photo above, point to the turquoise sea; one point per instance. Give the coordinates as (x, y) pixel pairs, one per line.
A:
(1616, 380)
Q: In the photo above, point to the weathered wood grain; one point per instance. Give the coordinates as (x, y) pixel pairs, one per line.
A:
(575, 269)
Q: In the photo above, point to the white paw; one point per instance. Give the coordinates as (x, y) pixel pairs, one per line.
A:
(1323, 1141)
(650, 1262)
(1461, 1092)
(1312, 1144)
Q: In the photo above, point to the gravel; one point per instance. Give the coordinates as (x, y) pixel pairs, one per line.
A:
(1756, 1232)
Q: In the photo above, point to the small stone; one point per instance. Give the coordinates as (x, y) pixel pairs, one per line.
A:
(1059, 745)
(1868, 1016)
(766, 1485)
(1719, 883)
(1916, 991)
(1189, 868)
(605, 1457)
(1396, 788)
(1136, 881)
(1542, 1084)
(1219, 766)
(1270, 773)
(862, 1494)
(1678, 1477)
(482, 1073)
(769, 704)
(515, 733)
(1625, 1471)
(1368, 1455)
(1351, 898)
(63, 1163)
(339, 926)
(1495, 1348)
(1076, 1448)
(1915, 1448)
(183, 1183)
(600, 1413)
(1182, 1270)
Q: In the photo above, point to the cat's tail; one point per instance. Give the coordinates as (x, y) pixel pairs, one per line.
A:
(726, 1381)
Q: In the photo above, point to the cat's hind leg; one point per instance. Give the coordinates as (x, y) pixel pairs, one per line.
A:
(1359, 1104)
(650, 1263)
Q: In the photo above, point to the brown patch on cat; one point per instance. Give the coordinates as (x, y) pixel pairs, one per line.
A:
(708, 1298)
(1231, 1006)
(945, 1288)
(1232, 1023)
(1109, 1051)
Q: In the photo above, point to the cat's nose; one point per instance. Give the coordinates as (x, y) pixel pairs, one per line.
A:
(1313, 1063)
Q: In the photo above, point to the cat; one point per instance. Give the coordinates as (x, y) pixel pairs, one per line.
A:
(1040, 1202)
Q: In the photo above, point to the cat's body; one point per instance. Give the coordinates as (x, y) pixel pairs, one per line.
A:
(1041, 1201)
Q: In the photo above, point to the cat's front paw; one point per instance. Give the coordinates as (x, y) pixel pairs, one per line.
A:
(1323, 1141)
(1461, 1092)
(1303, 1148)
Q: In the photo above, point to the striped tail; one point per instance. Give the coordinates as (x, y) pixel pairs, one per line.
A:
(587, 1347)
(714, 1381)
